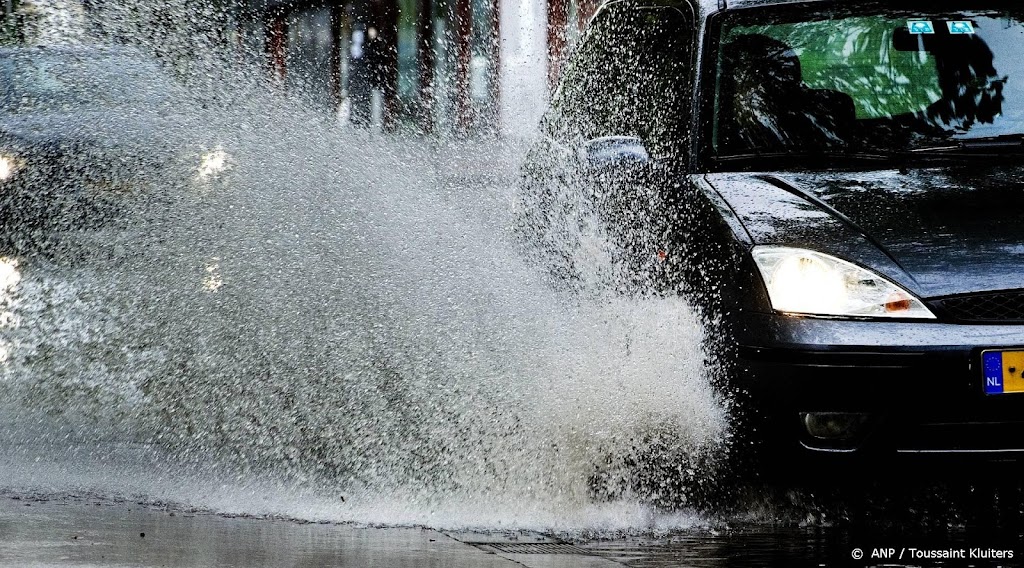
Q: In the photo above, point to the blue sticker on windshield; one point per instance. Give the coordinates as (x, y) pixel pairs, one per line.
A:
(961, 28)
(920, 27)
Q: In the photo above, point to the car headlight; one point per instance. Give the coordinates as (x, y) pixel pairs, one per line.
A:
(9, 278)
(8, 166)
(803, 281)
(213, 163)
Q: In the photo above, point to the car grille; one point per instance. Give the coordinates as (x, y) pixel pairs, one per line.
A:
(1002, 307)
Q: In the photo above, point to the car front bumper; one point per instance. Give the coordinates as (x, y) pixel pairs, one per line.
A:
(912, 388)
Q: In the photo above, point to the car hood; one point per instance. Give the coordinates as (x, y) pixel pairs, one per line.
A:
(936, 231)
(97, 129)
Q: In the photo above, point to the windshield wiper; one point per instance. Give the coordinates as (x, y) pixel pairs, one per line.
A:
(986, 145)
(804, 155)
(809, 158)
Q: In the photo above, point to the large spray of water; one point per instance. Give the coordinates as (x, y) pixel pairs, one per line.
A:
(340, 325)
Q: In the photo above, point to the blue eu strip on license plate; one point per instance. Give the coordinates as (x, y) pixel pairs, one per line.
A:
(1003, 371)
(992, 361)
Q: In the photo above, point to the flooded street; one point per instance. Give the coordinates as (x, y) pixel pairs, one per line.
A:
(246, 322)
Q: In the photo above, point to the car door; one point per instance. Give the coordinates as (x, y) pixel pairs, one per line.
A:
(597, 182)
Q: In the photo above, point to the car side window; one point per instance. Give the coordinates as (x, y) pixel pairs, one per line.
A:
(630, 76)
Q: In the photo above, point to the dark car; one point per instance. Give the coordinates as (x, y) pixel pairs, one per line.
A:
(85, 131)
(837, 187)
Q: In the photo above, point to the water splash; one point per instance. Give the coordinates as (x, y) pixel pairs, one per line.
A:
(339, 315)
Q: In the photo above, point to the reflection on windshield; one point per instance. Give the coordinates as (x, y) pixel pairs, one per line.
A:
(868, 83)
(67, 82)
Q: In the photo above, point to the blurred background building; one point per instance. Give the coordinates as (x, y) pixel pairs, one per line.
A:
(438, 66)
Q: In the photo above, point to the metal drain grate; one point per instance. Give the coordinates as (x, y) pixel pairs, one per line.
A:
(537, 548)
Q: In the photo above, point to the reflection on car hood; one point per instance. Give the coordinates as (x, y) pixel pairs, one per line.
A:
(106, 129)
(937, 231)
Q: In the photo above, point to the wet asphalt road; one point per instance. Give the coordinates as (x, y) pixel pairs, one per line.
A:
(77, 531)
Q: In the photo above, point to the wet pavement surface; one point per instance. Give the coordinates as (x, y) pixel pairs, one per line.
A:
(70, 531)
(90, 532)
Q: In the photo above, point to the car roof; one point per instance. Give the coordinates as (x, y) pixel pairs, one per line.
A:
(712, 6)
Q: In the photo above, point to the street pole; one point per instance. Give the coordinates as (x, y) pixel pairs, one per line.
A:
(7, 26)
(337, 54)
(558, 21)
(494, 77)
(426, 58)
(463, 37)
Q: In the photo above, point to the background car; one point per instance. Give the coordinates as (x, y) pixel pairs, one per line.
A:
(87, 130)
(836, 186)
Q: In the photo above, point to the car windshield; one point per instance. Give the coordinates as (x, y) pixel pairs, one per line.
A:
(34, 82)
(893, 81)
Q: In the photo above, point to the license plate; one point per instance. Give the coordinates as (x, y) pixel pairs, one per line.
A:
(1004, 371)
